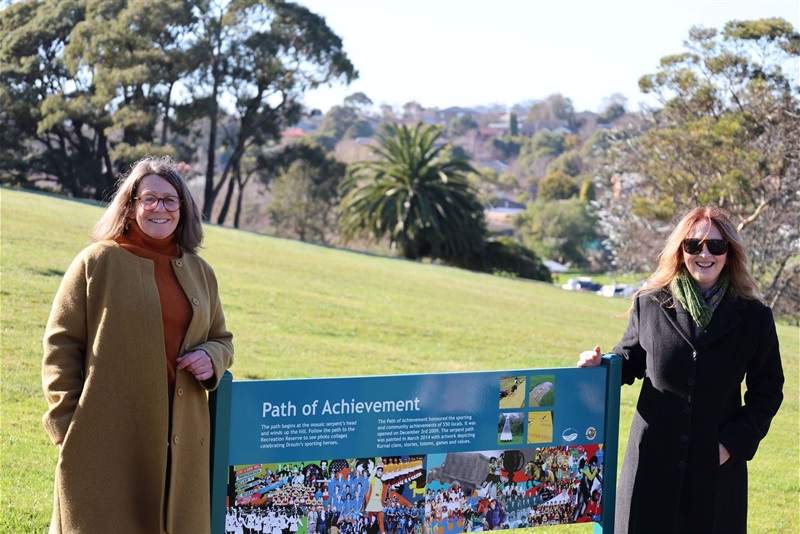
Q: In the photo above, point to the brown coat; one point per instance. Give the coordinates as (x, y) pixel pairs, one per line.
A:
(104, 377)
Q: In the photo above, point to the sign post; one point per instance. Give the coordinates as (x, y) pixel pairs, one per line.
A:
(439, 453)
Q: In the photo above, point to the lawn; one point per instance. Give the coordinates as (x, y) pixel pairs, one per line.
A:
(299, 310)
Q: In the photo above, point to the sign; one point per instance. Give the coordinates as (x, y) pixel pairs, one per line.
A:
(406, 454)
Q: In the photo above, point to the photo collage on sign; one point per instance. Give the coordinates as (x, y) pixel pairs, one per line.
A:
(431, 494)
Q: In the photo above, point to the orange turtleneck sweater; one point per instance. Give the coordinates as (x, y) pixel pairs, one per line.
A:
(176, 311)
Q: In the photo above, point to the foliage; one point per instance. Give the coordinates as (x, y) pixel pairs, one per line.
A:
(460, 124)
(423, 203)
(559, 229)
(359, 101)
(588, 190)
(513, 125)
(504, 256)
(259, 56)
(569, 163)
(507, 147)
(342, 122)
(544, 144)
(74, 71)
(554, 107)
(87, 87)
(535, 152)
(305, 194)
(557, 186)
(727, 133)
(614, 109)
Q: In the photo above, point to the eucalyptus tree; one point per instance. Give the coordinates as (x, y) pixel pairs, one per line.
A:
(412, 195)
(79, 85)
(257, 57)
(88, 86)
(725, 131)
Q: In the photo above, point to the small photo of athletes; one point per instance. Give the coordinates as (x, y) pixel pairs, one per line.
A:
(338, 496)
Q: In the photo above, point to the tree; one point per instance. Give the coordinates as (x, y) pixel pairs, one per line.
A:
(71, 73)
(569, 163)
(358, 101)
(422, 202)
(460, 124)
(557, 186)
(513, 125)
(305, 195)
(86, 87)
(259, 55)
(613, 108)
(553, 108)
(341, 122)
(537, 151)
(727, 133)
(562, 230)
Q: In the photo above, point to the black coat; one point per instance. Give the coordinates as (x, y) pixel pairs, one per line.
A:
(689, 403)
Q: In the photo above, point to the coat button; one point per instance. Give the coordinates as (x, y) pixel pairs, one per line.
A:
(687, 410)
(694, 354)
(178, 263)
(195, 301)
(186, 347)
(690, 381)
(175, 439)
(180, 392)
(681, 464)
(684, 438)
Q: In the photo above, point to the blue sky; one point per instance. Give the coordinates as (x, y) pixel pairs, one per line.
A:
(445, 53)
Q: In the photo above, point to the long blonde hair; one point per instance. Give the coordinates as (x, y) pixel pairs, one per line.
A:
(670, 260)
(114, 222)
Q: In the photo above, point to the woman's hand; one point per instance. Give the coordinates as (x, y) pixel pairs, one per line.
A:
(724, 455)
(590, 358)
(198, 363)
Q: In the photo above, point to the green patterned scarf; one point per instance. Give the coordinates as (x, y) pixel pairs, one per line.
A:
(701, 307)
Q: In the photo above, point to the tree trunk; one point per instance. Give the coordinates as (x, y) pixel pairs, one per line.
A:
(102, 144)
(239, 197)
(165, 120)
(228, 196)
(210, 193)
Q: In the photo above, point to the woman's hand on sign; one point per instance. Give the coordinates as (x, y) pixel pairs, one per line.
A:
(198, 363)
(590, 358)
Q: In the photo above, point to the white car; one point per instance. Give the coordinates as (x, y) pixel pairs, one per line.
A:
(617, 290)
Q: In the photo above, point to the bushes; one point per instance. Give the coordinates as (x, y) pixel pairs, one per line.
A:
(503, 255)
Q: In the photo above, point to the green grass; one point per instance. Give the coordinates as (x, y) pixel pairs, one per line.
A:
(299, 310)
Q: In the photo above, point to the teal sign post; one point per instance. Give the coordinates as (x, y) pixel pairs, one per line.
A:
(407, 454)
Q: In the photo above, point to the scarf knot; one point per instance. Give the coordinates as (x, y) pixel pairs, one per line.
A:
(700, 306)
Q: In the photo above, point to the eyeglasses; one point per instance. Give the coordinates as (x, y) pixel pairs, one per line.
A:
(716, 247)
(150, 202)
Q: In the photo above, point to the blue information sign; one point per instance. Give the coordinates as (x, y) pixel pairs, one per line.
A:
(406, 454)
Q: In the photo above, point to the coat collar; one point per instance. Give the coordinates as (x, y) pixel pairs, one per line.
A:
(726, 317)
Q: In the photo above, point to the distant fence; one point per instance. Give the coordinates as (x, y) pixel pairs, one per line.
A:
(411, 453)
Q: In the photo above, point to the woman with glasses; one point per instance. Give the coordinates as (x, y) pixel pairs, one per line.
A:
(135, 338)
(697, 331)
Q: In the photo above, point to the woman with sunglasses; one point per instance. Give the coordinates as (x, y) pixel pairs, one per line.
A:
(696, 332)
(135, 338)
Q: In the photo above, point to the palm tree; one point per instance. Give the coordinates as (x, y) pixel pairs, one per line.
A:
(416, 195)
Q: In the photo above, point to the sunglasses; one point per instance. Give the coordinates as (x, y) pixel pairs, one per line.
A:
(717, 247)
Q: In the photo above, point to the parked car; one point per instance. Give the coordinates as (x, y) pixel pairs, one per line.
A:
(581, 284)
(617, 290)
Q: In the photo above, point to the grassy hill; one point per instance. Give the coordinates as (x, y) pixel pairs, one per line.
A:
(299, 310)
